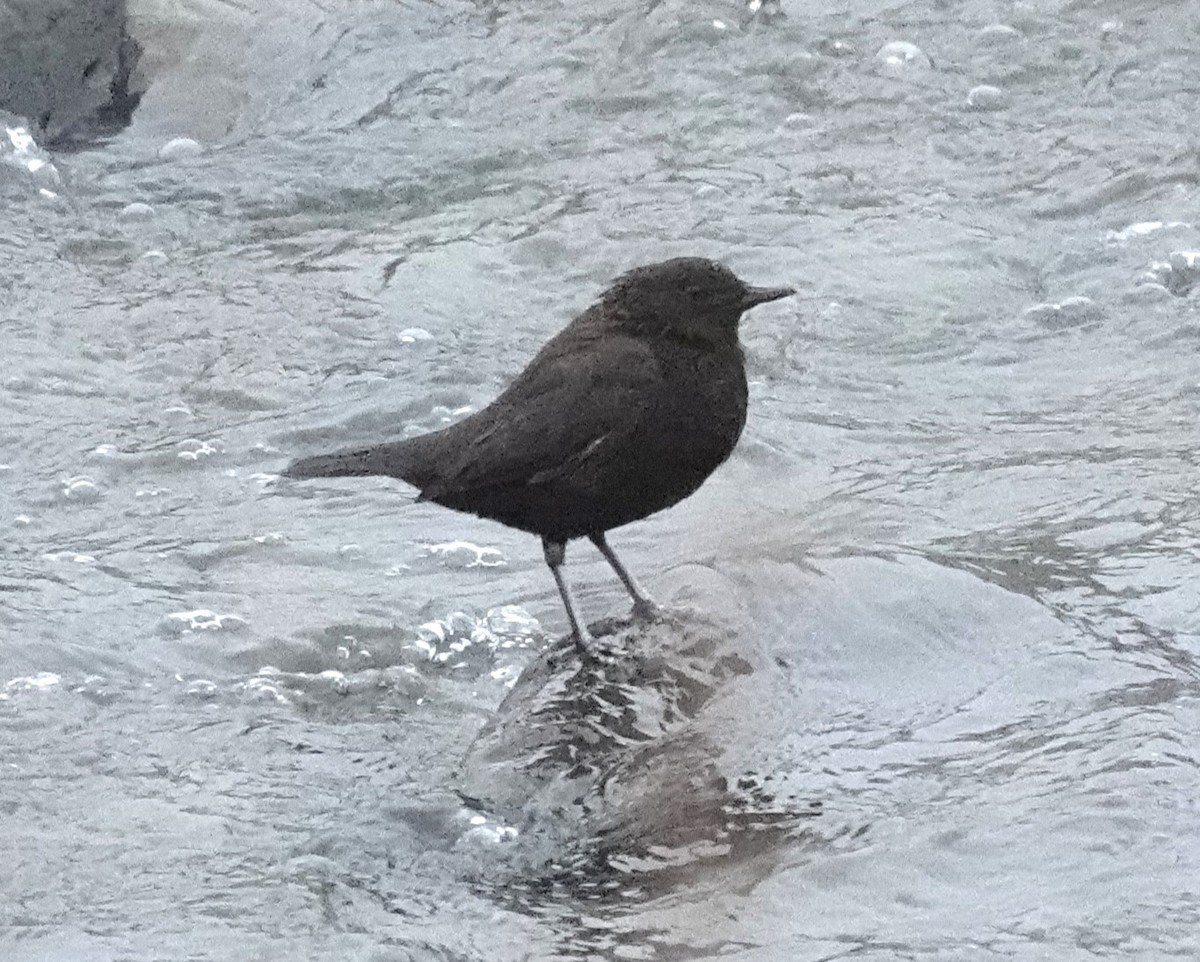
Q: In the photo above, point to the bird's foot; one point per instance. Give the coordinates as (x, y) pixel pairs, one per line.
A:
(646, 610)
(593, 654)
(584, 643)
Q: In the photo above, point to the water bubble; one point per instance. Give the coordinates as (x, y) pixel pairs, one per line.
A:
(1065, 314)
(179, 148)
(444, 415)
(201, 689)
(1184, 261)
(42, 681)
(1183, 272)
(262, 688)
(485, 831)
(901, 58)
(336, 680)
(449, 638)
(460, 555)
(413, 335)
(986, 97)
(96, 689)
(74, 557)
(193, 449)
(27, 155)
(201, 619)
(1148, 290)
(1144, 228)
(512, 623)
(999, 34)
(506, 675)
(136, 212)
(467, 640)
(81, 489)
(835, 48)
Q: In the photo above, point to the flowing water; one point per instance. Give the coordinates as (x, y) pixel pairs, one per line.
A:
(930, 690)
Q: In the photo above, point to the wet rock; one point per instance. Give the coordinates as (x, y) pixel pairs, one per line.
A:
(66, 65)
(610, 769)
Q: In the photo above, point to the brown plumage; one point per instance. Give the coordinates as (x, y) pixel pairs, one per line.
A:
(623, 413)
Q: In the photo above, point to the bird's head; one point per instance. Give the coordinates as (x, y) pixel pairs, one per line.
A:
(690, 297)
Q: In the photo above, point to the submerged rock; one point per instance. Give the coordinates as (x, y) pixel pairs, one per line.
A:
(605, 764)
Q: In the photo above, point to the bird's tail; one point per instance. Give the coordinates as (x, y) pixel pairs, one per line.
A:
(396, 459)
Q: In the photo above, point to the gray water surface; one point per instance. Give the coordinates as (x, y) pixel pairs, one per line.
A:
(931, 687)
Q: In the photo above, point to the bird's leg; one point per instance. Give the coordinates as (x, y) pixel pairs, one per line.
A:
(556, 553)
(643, 604)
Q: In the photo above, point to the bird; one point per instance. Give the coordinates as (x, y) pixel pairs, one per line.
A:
(625, 412)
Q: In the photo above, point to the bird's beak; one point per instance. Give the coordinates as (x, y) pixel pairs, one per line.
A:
(761, 295)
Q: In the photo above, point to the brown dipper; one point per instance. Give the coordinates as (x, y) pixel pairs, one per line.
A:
(623, 413)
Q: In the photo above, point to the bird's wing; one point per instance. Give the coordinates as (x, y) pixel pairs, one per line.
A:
(561, 410)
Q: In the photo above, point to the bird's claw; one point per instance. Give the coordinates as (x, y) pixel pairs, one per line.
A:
(646, 610)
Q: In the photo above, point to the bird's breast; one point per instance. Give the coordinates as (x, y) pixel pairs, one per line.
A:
(697, 416)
